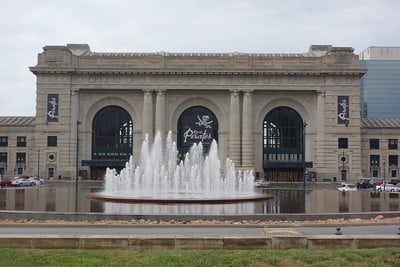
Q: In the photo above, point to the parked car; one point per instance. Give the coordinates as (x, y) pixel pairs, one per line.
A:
(376, 182)
(365, 183)
(36, 180)
(345, 187)
(262, 184)
(22, 182)
(4, 182)
(394, 181)
(387, 187)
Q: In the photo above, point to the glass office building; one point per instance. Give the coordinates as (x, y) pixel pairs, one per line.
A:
(380, 86)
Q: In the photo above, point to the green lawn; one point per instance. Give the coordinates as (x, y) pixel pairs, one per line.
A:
(192, 258)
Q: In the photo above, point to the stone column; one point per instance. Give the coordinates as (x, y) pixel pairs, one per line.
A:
(147, 116)
(247, 130)
(73, 133)
(234, 128)
(320, 156)
(160, 112)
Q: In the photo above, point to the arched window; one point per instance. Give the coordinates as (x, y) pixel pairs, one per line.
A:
(196, 124)
(283, 144)
(112, 134)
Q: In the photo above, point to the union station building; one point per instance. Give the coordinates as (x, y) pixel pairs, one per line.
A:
(282, 115)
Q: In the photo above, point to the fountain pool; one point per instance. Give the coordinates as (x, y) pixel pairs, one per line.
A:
(198, 179)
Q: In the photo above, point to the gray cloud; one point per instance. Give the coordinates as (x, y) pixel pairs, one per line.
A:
(179, 26)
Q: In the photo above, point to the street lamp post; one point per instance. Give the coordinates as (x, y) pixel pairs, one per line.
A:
(384, 173)
(76, 165)
(343, 160)
(38, 160)
(304, 155)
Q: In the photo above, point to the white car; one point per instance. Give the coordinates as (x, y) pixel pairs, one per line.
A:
(36, 180)
(262, 184)
(22, 182)
(387, 187)
(347, 187)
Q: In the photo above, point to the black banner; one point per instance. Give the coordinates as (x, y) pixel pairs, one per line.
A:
(52, 107)
(343, 110)
(195, 125)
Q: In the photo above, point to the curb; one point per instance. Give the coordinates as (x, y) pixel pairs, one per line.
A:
(189, 225)
(284, 217)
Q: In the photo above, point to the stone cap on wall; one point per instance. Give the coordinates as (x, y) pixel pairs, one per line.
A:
(22, 121)
(380, 123)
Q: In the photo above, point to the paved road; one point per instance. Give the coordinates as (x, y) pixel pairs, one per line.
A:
(159, 231)
(352, 230)
(190, 231)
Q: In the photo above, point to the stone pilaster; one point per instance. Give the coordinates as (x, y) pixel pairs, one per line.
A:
(247, 130)
(320, 160)
(234, 128)
(73, 125)
(160, 112)
(147, 115)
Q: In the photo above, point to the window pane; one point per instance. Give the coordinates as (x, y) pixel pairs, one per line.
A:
(3, 141)
(392, 144)
(3, 157)
(20, 158)
(374, 143)
(51, 140)
(21, 141)
(343, 143)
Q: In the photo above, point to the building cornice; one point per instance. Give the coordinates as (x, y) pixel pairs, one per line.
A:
(78, 59)
(151, 71)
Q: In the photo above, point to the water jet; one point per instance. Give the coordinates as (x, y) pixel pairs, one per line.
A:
(160, 179)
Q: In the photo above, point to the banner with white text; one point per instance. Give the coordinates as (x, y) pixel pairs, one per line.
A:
(343, 110)
(52, 108)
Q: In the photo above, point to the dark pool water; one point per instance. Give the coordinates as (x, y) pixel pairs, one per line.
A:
(62, 198)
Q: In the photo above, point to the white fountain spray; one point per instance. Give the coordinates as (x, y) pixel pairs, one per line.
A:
(197, 177)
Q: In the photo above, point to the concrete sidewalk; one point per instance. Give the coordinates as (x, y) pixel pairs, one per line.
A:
(294, 231)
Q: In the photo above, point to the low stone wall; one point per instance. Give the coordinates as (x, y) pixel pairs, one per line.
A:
(155, 242)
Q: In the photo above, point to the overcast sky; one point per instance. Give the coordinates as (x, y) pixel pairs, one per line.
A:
(262, 26)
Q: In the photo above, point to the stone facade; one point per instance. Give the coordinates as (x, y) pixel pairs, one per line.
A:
(11, 129)
(239, 88)
(380, 150)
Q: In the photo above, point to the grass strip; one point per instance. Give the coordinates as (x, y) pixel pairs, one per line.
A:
(203, 258)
